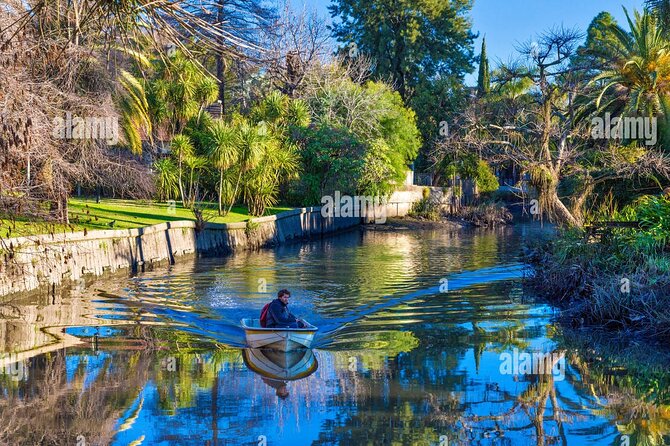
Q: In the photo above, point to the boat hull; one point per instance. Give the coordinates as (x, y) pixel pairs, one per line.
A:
(282, 339)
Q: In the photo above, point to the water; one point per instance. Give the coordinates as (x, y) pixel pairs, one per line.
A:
(422, 341)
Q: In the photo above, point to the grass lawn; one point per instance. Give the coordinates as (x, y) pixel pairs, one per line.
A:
(120, 214)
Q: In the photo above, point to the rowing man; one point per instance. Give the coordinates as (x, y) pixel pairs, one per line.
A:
(279, 316)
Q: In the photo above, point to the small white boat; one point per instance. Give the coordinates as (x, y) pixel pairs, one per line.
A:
(282, 339)
(282, 366)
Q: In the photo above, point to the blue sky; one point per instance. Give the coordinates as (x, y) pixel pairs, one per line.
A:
(509, 22)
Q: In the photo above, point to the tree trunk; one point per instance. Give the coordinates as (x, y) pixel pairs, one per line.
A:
(181, 184)
(561, 212)
(220, 66)
(191, 191)
(59, 208)
(664, 128)
(237, 184)
(28, 174)
(580, 200)
(220, 191)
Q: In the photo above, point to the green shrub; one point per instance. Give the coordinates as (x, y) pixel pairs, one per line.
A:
(486, 179)
(426, 208)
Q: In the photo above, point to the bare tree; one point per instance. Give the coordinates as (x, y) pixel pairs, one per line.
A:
(299, 42)
(43, 81)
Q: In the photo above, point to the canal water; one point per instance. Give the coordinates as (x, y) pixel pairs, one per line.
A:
(426, 337)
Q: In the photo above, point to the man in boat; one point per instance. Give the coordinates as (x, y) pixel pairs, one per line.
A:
(278, 315)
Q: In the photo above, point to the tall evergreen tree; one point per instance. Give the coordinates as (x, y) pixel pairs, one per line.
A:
(425, 48)
(595, 53)
(410, 41)
(484, 79)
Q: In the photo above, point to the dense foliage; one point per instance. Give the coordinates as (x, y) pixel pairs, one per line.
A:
(363, 141)
(545, 116)
(424, 48)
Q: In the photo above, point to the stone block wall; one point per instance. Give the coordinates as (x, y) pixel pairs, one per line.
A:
(28, 263)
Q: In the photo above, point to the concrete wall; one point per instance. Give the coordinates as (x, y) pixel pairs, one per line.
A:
(28, 263)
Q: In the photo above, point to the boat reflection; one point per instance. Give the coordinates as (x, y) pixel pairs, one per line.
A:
(277, 368)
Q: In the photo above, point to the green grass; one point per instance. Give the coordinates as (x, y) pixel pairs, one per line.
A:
(120, 214)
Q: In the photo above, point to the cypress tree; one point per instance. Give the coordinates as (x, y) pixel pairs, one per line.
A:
(484, 79)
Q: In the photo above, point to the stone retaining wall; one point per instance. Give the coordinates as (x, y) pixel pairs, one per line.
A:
(28, 263)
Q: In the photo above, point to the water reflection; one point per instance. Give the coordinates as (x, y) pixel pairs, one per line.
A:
(157, 359)
(278, 368)
(282, 366)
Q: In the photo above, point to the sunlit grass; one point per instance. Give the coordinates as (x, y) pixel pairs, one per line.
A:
(120, 214)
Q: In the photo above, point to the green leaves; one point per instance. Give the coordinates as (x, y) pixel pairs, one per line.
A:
(177, 92)
(636, 81)
(223, 142)
(363, 140)
(255, 155)
(166, 178)
(182, 147)
(134, 107)
(424, 48)
(653, 213)
(331, 160)
(468, 165)
(484, 78)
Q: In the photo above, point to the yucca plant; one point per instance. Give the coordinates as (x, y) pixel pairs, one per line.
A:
(223, 142)
(196, 165)
(250, 151)
(181, 148)
(261, 186)
(167, 180)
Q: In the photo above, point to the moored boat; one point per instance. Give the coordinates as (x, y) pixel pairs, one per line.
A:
(282, 339)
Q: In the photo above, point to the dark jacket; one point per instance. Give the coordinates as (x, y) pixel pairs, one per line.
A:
(279, 316)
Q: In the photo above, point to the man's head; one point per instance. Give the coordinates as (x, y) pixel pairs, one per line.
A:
(282, 391)
(283, 296)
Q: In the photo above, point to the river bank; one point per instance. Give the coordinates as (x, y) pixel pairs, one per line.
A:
(50, 260)
(605, 286)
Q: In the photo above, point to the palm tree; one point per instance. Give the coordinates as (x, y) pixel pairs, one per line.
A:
(251, 147)
(223, 146)
(167, 182)
(638, 79)
(134, 107)
(196, 164)
(178, 92)
(182, 149)
(281, 112)
(278, 164)
(275, 115)
(661, 9)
